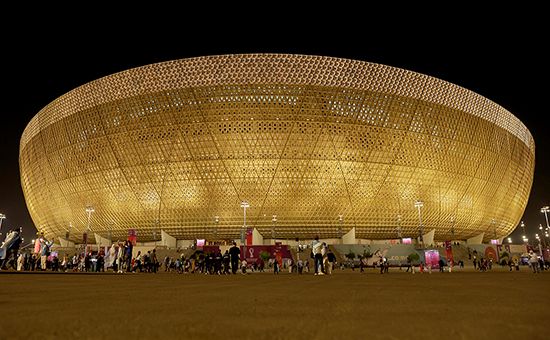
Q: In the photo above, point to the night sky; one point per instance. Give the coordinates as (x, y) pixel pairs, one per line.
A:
(503, 62)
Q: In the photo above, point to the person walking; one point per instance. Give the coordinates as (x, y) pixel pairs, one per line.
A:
(234, 253)
(533, 261)
(316, 249)
(331, 261)
(44, 253)
(276, 268)
(154, 261)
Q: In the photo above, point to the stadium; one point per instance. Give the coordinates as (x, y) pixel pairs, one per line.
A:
(314, 146)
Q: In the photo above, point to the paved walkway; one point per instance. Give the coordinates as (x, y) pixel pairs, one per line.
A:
(346, 305)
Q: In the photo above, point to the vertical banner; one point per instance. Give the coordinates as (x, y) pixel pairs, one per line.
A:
(449, 253)
(85, 238)
(491, 253)
(249, 236)
(503, 253)
(37, 246)
(432, 258)
(132, 236)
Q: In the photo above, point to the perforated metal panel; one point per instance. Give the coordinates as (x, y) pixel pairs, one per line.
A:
(172, 145)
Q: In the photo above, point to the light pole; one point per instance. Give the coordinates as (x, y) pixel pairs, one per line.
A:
(540, 247)
(340, 229)
(493, 222)
(155, 231)
(525, 239)
(399, 226)
(216, 221)
(419, 204)
(541, 235)
(273, 233)
(2, 217)
(545, 211)
(244, 205)
(68, 233)
(89, 211)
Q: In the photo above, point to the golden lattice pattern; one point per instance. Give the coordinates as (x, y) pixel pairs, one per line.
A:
(325, 144)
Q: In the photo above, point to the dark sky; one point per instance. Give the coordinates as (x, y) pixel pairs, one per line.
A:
(504, 61)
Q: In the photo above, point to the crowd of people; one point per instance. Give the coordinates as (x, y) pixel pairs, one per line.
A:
(119, 258)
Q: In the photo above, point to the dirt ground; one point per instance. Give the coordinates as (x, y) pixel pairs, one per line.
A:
(346, 305)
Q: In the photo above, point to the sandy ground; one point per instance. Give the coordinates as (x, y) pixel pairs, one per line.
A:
(346, 305)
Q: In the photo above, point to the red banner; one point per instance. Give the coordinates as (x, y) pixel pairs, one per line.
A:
(432, 258)
(252, 253)
(503, 252)
(490, 253)
(132, 236)
(210, 249)
(449, 253)
(249, 236)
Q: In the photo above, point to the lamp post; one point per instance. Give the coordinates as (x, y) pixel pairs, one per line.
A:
(493, 223)
(340, 229)
(540, 247)
(273, 232)
(68, 233)
(399, 226)
(89, 211)
(2, 217)
(244, 205)
(525, 239)
(216, 221)
(545, 211)
(541, 235)
(419, 204)
(155, 231)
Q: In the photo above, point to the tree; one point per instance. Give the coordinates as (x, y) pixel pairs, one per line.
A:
(413, 257)
(265, 256)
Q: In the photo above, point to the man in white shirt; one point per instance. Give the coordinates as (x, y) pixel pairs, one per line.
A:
(316, 249)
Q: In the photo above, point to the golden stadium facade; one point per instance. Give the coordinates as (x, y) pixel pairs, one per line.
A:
(325, 144)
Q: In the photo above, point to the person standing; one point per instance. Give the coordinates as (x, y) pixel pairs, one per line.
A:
(290, 265)
(120, 258)
(44, 253)
(331, 261)
(128, 250)
(154, 261)
(533, 261)
(20, 262)
(316, 249)
(234, 253)
(324, 251)
(276, 267)
(226, 260)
